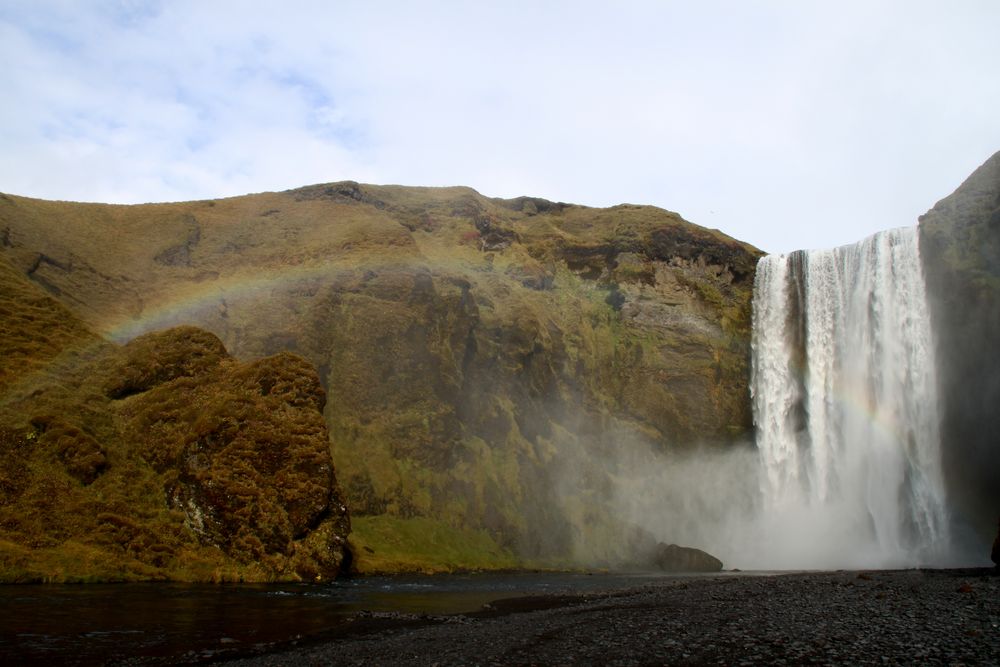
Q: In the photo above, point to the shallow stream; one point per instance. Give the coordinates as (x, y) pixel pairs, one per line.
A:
(189, 623)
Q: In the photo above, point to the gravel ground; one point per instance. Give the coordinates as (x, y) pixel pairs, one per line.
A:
(881, 617)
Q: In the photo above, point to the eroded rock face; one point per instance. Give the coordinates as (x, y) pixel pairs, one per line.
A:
(243, 449)
(960, 251)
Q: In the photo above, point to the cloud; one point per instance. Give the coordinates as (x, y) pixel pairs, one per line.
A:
(785, 125)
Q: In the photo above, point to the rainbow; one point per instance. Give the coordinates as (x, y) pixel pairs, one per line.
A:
(186, 303)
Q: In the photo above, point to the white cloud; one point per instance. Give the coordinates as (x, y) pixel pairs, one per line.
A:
(784, 124)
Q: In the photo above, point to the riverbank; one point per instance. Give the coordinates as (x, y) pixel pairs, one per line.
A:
(879, 617)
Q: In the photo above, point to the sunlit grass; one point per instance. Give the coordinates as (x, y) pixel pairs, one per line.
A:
(388, 544)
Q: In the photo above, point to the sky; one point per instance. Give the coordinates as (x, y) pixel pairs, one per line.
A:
(785, 123)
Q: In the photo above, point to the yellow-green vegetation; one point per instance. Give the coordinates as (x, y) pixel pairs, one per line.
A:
(487, 361)
(392, 544)
(165, 459)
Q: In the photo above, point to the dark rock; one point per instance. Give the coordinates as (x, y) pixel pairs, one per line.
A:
(344, 191)
(590, 262)
(674, 558)
(532, 205)
(532, 275)
(701, 246)
(41, 266)
(960, 252)
(615, 298)
(492, 234)
(180, 254)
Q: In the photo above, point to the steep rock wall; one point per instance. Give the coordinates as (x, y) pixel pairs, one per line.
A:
(960, 247)
(489, 362)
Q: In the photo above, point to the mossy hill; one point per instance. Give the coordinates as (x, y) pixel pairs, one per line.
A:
(488, 362)
(162, 459)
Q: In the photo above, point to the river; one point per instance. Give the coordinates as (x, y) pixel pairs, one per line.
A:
(161, 623)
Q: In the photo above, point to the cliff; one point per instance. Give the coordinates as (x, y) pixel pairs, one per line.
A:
(490, 364)
(960, 248)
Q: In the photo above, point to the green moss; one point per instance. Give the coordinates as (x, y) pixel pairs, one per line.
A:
(393, 545)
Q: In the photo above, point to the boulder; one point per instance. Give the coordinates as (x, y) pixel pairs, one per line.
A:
(244, 454)
(674, 558)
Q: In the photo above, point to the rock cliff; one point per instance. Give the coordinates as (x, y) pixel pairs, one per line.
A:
(490, 364)
(960, 249)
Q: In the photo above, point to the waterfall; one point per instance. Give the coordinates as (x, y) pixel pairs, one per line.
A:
(845, 405)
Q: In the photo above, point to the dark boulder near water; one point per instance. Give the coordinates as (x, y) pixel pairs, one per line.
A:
(674, 558)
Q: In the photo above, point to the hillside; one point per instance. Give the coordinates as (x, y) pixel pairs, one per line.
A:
(492, 366)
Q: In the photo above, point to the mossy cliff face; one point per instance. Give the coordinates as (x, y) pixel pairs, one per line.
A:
(960, 249)
(165, 459)
(490, 364)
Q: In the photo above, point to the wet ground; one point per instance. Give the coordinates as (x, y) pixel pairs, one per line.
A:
(170, 623)
(907, 617)
(878, 617)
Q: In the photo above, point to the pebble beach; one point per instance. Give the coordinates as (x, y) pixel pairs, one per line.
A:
(947, 617)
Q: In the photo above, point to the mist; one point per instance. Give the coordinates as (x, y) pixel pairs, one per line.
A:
(705, 497)
(714, 498)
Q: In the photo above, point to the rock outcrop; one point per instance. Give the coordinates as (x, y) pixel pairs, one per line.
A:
(242, 448)
(960, 249)
(673, 558)
(164, 459)
(488, 361)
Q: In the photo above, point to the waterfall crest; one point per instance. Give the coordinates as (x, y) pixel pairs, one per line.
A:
(845, 405)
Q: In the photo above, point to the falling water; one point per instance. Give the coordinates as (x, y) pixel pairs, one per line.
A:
(845, 405)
